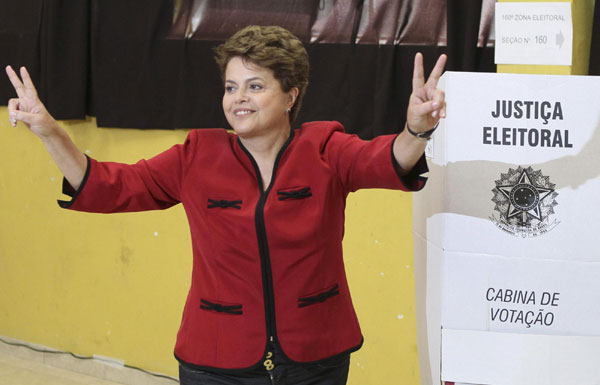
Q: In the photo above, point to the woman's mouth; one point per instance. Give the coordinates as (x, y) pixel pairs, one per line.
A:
(242, 112)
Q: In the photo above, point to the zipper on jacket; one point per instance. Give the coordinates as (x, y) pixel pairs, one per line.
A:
(265, 259)
(268, 363)
(263, 247)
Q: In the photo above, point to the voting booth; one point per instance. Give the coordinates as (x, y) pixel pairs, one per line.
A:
(507, 233)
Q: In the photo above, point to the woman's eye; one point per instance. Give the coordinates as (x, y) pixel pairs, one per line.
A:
(229, 89)
(256, 87)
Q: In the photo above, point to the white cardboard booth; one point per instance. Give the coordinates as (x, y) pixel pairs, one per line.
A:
(506, 233)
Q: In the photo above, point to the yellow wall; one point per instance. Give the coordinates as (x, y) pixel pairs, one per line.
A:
(115, 285)
(583, 16)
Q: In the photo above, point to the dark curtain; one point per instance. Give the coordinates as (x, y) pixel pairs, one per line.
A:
(463, 31)
(50, 38)
(147, 65)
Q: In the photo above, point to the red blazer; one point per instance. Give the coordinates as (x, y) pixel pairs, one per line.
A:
(267, 261)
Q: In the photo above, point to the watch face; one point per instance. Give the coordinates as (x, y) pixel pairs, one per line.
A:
(425, 135)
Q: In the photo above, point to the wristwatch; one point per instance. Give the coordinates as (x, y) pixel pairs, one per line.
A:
(425, 134)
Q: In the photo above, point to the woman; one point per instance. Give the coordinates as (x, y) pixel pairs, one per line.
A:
(269, 302)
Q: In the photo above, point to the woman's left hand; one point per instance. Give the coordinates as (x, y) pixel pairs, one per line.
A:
(427, 103)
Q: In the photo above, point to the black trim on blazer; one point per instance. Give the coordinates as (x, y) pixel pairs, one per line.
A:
(263, 244)
(68, 190)
(220, 308)
(319, 297)
(410, 180)
(259, 365)
(222, 203)
(298, 193)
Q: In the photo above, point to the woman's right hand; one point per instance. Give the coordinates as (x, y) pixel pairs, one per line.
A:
(28, 108)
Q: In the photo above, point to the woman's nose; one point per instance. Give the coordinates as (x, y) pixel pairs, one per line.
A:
(241, 96)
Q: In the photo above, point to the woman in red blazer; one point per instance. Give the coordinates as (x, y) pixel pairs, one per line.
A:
(269, 301)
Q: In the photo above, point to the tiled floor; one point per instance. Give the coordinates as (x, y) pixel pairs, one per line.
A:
(18, 371)
(23, 366)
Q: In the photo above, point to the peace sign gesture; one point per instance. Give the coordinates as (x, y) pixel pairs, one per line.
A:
(427, 103)
(30, 110)
(27, 107)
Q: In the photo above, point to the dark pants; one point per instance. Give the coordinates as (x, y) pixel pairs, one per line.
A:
(333, 372)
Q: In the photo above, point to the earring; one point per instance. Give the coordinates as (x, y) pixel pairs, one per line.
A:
(287, 111)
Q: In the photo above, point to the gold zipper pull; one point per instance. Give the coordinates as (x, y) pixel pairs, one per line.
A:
(269, 365)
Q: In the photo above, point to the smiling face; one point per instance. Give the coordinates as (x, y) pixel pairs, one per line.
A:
(253, 102)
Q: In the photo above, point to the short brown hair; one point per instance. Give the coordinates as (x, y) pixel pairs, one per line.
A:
(274, 48)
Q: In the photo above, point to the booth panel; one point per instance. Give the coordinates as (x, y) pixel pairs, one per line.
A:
(487, 358)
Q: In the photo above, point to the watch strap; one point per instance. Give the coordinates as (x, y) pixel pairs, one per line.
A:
(425, 134)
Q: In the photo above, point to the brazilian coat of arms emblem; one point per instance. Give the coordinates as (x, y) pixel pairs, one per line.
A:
(524, 202)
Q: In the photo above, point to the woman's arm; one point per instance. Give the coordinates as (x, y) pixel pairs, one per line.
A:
(30, 110)
(425, 108)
